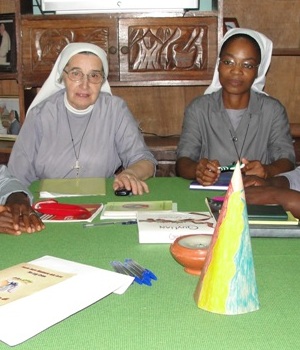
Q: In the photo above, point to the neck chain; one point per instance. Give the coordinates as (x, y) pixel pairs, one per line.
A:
(77, 154)
(235, 139)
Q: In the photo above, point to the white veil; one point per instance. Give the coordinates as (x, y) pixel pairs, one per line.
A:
(53, 83)
(266, 47)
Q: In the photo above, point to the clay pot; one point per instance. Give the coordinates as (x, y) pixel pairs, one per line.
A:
(190, 251)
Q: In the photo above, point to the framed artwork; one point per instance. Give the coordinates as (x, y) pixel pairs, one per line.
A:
(229, 23)
(8, 55)
(10, 120)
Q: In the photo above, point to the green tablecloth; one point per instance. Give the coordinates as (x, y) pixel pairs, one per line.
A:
(165, 315)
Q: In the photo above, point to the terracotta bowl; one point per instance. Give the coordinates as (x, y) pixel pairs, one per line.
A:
(190, 251)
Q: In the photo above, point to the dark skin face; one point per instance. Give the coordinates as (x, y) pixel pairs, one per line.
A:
(236, 80)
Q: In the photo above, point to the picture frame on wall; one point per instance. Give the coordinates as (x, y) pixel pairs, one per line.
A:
(8, 54)
(10, 117)
(229, 23)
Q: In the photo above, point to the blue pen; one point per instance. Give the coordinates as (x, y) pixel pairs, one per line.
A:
(147, 272)
(129, 222)
(120, 268)
(143, 277)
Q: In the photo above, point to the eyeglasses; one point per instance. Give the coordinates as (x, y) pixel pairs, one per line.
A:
(95, 77)
(243, 65)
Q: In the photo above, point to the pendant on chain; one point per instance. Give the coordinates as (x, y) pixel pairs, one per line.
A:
(77, 167)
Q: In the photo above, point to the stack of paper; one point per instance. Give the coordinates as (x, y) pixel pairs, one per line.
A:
(41, 307)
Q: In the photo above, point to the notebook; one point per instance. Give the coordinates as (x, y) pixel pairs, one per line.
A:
(266, 212)
(55, 188)
(221, 184)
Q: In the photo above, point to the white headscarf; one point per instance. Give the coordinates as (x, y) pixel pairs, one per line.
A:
(53, 83)
(266, 46)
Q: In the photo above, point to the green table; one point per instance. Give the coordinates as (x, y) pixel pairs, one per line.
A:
(165, 315)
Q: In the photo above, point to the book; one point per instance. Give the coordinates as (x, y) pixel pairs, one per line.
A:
(289, 221)
(94, 209)
(258, 214)
(129, 210)
(29, 315)
(166, 227)
(266, 212)
(55, 188)
(8, 137)
(221, 184)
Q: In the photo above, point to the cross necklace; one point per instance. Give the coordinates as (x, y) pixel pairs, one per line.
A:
(77, 164)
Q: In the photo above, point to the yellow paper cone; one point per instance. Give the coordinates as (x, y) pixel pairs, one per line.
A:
(227, 284)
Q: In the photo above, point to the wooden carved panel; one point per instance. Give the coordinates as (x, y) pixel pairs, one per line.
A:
(168, 48)
(45, 40)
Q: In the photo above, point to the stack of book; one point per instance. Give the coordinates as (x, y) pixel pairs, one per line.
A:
(129, 210)
(267, 218)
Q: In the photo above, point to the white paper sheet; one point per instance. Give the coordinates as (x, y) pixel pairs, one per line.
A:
(26, 317)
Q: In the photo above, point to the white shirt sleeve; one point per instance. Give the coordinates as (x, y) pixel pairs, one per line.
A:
(9, 185)
(294, 178)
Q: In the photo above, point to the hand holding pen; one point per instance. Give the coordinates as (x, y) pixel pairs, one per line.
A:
(207, 171)
(254, 167)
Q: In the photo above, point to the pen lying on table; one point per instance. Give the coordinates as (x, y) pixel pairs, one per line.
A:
(129, 222)
(132, 268)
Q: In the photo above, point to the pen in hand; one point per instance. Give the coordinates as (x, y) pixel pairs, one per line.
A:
(129, 222)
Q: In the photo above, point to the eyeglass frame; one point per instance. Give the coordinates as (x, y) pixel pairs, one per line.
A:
(233, 63)
(83, 75)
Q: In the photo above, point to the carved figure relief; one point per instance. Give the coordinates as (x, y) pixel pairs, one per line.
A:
(49, 43)
(167, 48)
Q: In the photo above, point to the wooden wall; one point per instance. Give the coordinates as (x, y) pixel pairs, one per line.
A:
(280, 21)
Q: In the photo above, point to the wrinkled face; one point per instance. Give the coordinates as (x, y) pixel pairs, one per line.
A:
(238, 66)
(81, 92)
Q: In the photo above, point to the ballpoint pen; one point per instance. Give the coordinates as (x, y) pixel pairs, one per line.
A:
(129, 222)
(140, 274)
(229, 167)
(141, 269)
(120, 268)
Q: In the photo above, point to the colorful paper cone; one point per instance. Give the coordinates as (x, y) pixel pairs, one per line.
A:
(227, 283)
